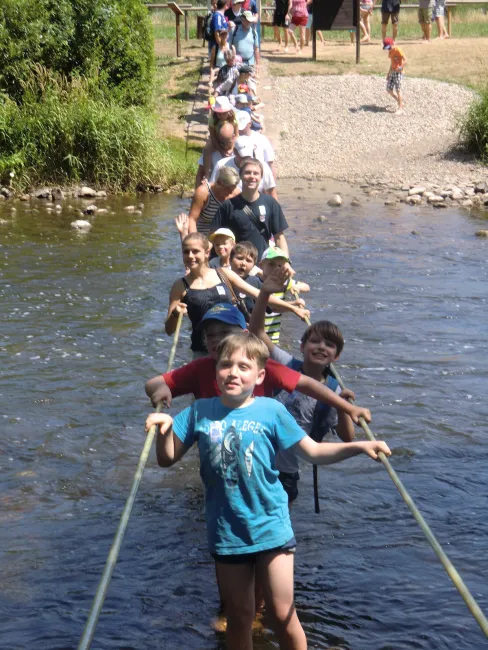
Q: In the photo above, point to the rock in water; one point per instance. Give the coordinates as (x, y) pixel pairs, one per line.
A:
(57, 194)
(415, 199)
(335, 201)
(90, 209)
(416, 190)
(87, 193)
(482, 233)
(130, 208)
(44, 193)
(435, 198)
(81, 224)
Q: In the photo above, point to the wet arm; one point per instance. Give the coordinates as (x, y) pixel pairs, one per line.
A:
(175, 297)
(280, 241)
(258, 315)
(327, 453)
(318, 391)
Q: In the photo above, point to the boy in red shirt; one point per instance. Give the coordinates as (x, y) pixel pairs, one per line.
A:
(199, 376)
(394, 77)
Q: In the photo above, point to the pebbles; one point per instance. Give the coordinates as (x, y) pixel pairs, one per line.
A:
(343, 127)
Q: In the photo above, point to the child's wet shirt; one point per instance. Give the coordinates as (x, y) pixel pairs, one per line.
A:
(246, 506)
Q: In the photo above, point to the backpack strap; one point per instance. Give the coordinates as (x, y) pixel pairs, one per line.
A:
(259, 225)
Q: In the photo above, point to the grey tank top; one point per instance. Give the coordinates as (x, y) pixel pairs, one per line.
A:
(208, 212)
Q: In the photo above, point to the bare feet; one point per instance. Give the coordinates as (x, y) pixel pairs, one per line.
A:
(399, 111)
(285, 50)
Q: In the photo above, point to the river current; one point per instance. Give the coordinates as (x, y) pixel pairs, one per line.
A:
(81, 330)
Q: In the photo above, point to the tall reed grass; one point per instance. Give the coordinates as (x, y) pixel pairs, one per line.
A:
(64, 133)
(474, 127)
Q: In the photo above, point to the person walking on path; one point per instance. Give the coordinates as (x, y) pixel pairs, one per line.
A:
(298, 18)
(394, 77)
(281, 21)
(390, 10)
(253, 216)
(425, 19)
(438, 16)
(366, 12)
(246, 42)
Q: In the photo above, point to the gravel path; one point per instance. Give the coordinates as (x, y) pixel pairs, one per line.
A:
(344, 127)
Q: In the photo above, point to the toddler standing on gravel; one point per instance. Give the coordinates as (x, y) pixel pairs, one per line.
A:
(394, 77)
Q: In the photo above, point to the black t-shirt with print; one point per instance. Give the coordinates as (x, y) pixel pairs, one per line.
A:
(267, 211)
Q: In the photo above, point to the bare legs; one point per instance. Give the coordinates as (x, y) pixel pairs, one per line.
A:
(441, 28)
(365, 26)
(427, 31)
(274, 571)
(277, 35)
(397, 96)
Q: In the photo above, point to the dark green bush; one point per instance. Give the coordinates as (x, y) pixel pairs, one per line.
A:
(109, 41)
(68, 136)
(474, 127)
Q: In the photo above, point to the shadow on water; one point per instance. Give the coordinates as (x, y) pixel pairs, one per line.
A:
(81, 332)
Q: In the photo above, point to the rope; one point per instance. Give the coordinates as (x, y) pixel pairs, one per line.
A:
(89, 631)
(459, 583)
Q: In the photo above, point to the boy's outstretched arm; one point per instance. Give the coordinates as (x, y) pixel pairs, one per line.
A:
(318, 391)
(169, 448)
(327, 453)
(158, 391)
(256, 324)
(345, 426)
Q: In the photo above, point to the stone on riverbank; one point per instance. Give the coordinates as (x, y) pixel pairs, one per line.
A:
(335, 201)
(415, 199)
(81, 224)
(57, 194)
(435, 198)
(467, 203)
(416, 190)
(43, 193)
(87, 192)
(481, 187)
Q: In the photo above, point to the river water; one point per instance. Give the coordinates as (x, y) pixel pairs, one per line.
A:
(81, 330)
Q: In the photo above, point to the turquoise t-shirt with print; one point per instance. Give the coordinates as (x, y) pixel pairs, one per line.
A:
(245, 504)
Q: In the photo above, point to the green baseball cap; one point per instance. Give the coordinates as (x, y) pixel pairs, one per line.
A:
(272, 253)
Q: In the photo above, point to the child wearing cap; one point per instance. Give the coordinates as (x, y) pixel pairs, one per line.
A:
(221, 111)
(272, 260)
(242, 104)
(223, 241)
(394, 77)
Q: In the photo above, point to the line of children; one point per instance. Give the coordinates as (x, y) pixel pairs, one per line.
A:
(248, 526)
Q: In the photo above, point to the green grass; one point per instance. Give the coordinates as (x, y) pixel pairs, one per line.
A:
(474, 127)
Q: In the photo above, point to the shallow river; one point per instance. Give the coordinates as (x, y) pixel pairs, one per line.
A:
(81, 330)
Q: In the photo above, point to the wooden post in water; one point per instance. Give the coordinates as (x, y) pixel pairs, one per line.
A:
(178, 13)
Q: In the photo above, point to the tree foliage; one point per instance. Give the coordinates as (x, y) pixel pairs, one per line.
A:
(107, 41)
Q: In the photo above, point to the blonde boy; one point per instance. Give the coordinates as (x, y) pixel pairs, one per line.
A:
(248, 525)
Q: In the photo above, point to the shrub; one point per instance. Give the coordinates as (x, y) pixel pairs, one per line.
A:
(67, 136)
(110, 41)
(474, 127)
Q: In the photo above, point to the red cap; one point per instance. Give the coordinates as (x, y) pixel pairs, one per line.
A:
(388, 43)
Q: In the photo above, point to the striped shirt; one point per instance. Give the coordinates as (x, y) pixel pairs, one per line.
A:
(272, 320)
(208, 212)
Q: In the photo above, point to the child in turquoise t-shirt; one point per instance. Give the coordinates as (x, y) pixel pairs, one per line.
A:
(246, 507)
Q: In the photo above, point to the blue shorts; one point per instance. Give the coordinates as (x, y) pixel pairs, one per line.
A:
(309, 21)
(250, 558)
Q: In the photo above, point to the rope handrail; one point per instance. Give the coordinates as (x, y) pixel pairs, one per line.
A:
(96, 608)
(451, 570)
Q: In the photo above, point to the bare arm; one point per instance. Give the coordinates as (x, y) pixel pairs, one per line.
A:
(169, 448)
(302, 287)
(272, 192)
(327, 453)
(345, 426)
(197, 204)
(318, 391)
(241, 285)
(281, 242)
(158, 391)
(256, 324)
(175, 306)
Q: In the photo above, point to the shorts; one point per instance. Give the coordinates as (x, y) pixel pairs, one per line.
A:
(394, 81)
(250, 558)
(309, 21)
(299, 21)
(425, 16)
(279, 19)
(439, 9)
(367, 8)
(290, 484)
(395, 17)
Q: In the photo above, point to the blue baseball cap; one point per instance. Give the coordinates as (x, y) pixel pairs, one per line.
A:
(226, 313)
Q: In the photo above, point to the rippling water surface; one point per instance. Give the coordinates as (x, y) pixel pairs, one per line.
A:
(81, 330)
